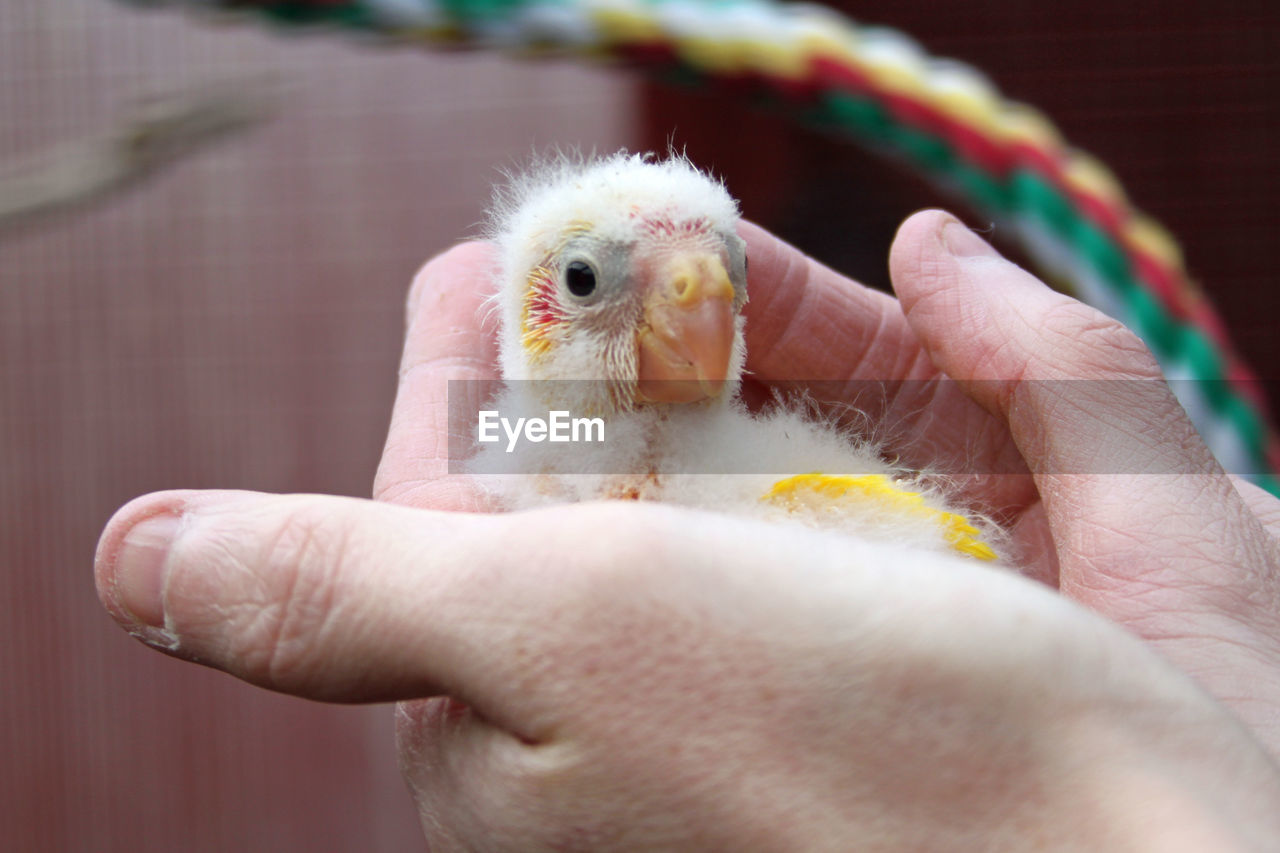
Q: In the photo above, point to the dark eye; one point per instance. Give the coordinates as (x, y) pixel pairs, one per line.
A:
(580, 278)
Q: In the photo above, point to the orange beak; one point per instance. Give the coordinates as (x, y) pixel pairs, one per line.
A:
(686, 338)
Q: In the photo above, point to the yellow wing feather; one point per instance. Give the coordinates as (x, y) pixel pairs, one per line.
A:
(809, 492)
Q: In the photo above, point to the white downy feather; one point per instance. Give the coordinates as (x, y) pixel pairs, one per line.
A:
(713, 454)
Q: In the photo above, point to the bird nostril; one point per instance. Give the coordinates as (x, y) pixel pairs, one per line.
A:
(680, 285)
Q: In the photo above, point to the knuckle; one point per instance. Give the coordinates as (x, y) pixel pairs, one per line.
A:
(303, 566)
(1103, 345)
(256, 598)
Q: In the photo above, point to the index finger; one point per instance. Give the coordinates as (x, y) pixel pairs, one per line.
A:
(446, 338)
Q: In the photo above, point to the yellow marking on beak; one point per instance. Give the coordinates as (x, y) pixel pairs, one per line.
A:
(685, 343)
(822, 492)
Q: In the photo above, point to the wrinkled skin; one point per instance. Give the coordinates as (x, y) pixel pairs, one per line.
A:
(622, 676)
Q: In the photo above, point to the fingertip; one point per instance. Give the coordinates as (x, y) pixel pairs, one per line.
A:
(440, 267)
(128, 560)
(917, 232)
(922, 225)
(467, 268)
(915, 257)
(973, 310)
(446, 314)
(929, 253)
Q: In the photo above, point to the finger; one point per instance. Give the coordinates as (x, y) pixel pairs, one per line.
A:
(337, 599)
(447, 338)
(1129, 488)
(851, 347)
(1262, 503)
(808, 322)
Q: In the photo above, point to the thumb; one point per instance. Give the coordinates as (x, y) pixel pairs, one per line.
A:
(1089, 411)
(335, 599)
(1040, 358)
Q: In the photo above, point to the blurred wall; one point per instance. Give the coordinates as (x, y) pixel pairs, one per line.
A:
(233, 323)
(1181, 98)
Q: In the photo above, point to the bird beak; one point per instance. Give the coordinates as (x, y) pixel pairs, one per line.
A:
(686, 338)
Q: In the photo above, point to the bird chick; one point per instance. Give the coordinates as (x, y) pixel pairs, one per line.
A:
(621, 287)
(626, 273)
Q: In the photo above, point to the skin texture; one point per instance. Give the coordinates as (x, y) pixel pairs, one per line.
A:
(623, 676)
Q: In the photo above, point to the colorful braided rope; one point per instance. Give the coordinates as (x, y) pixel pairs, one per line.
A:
(944, 118)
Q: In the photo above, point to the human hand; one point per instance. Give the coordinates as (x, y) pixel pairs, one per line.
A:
(630, 676)
(1187, 560)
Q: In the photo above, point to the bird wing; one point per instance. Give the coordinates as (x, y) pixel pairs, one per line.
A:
(818, 494)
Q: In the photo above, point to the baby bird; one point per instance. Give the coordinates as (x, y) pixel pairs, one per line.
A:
(621, 287)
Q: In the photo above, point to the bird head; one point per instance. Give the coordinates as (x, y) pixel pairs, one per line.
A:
(626, 272)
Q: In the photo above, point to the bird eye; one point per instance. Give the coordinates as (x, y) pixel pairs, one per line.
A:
(580, 278)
